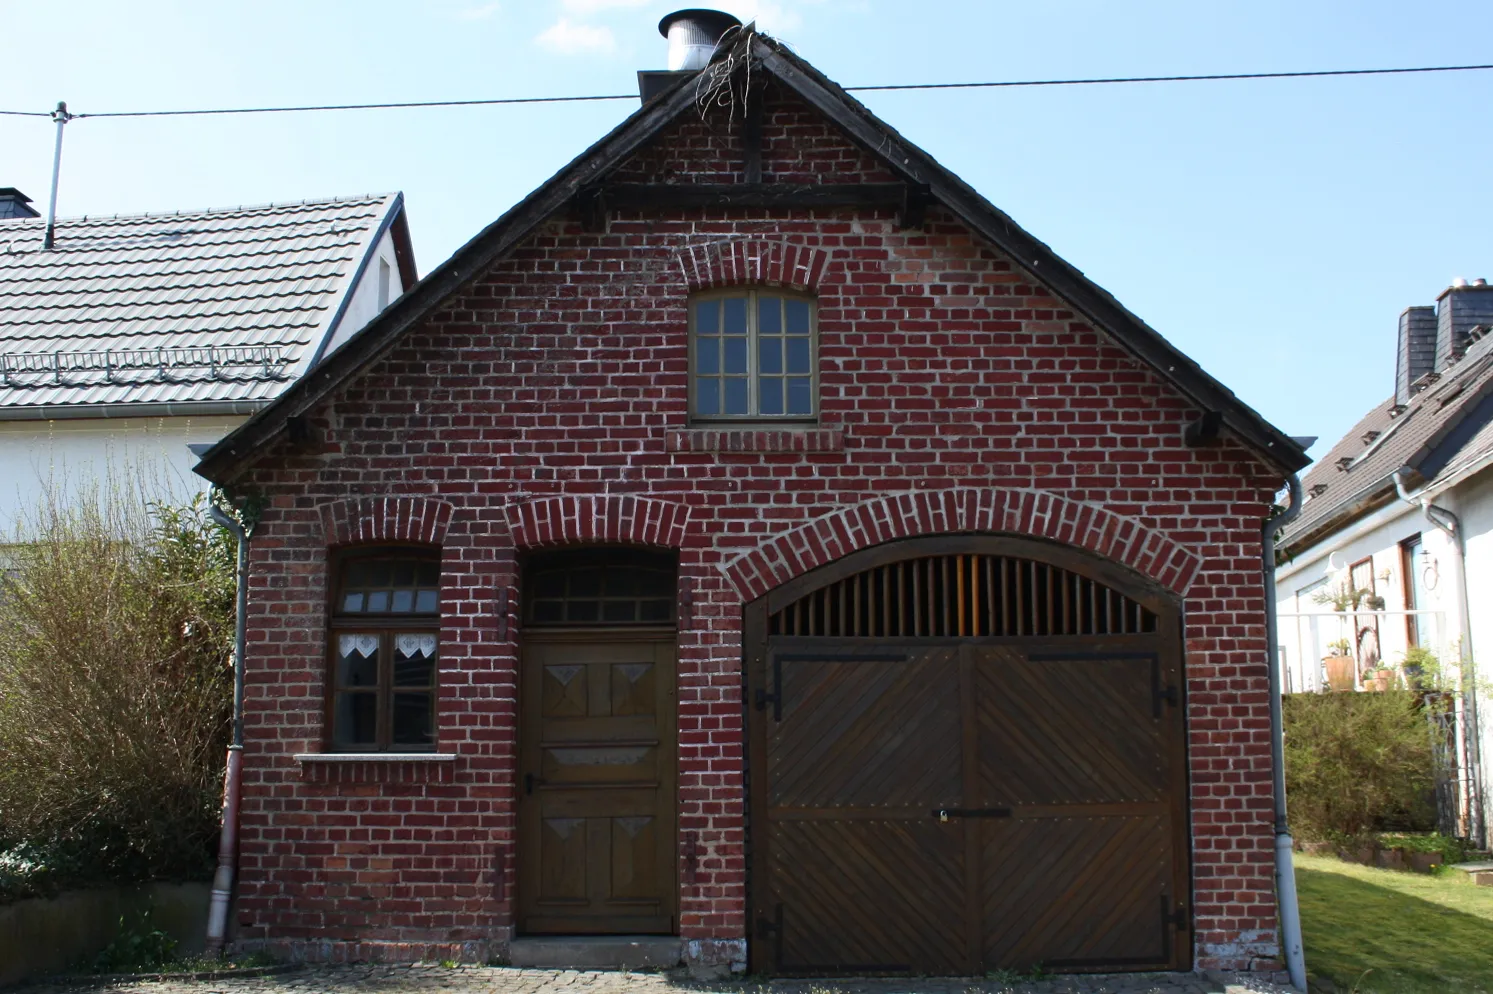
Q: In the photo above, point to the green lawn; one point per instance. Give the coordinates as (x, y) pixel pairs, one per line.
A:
(1394, 933)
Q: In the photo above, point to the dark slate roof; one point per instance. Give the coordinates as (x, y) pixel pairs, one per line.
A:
(1445, 425)
(920, 171)
(214, 307)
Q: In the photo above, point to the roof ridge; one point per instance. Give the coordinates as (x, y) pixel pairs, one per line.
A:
(369, 198)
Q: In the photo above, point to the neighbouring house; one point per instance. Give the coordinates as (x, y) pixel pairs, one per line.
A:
(1402, 509)
(755, 546)
(135, 336)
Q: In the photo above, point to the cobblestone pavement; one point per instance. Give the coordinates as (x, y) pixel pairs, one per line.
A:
(421, 979)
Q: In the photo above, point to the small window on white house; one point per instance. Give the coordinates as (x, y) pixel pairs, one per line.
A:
(753, 356)
(384, 278)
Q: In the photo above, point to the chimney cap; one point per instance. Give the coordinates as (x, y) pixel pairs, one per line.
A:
(707, 19)
(693, 34)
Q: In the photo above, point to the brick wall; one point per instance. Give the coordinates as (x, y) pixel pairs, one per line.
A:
(546, 404)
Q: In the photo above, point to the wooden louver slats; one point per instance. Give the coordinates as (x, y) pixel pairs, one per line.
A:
(959, 596)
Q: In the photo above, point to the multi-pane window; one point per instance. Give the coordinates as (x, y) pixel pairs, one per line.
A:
(600, 587)
(752, 356)
(384, 641)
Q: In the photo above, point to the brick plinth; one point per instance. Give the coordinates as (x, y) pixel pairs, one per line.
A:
(546, 404)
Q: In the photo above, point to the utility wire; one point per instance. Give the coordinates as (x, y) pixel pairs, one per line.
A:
(390, 106)
(857, 89)
(1174, 79)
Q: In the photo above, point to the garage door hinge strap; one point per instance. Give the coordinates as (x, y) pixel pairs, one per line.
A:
(1179, 918)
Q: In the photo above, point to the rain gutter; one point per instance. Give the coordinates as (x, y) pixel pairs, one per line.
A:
(158, 409)
(1285, 870)
(223, 877)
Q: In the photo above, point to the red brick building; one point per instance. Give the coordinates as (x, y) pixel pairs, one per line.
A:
(755, 537)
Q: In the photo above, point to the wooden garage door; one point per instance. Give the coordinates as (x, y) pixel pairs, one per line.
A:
(967, 761)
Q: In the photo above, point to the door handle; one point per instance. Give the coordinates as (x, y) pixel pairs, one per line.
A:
(944, 814)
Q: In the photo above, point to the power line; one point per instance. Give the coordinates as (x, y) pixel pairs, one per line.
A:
(858, 89)
(388, 106)
(1174, 79)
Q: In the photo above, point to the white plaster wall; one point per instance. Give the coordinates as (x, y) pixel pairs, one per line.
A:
(1472, 502)
(364, 304)
(70, 456)
(1304, 641)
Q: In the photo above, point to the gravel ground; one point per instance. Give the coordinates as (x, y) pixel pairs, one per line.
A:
(423, 979)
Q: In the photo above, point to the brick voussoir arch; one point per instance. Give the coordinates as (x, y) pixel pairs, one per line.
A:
(423, 520)
(597, 518)
(737, 261)
(1032, 513)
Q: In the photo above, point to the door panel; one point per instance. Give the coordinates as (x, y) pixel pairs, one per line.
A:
(1058, 729)
(862, 746)
(868, 896)
(1075, 892)
(1056, 764)
(597, 788)
(1076, 744)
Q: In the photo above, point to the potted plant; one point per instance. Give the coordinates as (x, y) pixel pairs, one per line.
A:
(1421, 667)
(1340, 665)
(1385, 674)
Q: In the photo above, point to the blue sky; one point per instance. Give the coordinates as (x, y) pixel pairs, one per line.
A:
(1272, 230)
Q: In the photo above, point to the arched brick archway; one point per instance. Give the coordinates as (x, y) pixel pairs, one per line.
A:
(761, 261)
(597, 518)
(386, 519)
(1031, 513)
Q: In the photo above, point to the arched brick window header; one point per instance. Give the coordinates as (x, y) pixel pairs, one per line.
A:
(1018, 512)
(752, 261)
(386, 519)
(597, 518)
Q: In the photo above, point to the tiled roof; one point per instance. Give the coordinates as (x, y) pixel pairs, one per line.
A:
(1443, 419)
(214, 306)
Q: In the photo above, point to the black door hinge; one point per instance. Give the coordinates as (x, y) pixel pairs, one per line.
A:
(1168, 694)
(1178, 918)
(764, 698)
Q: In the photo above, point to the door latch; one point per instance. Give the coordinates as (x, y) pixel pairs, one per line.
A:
(944, 814)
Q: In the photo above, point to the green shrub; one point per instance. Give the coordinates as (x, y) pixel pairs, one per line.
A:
(1450, 850)
(1357, 762)
(116, 631)
(137, 947)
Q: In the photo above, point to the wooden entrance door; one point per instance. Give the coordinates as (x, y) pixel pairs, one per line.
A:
(596, 846)
(1005, 788)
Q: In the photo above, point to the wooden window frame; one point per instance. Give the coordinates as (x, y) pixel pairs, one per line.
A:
(1408, 548)
(604, 557)
(385, 626)
(752, 416)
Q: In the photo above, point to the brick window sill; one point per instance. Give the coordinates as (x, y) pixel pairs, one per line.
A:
(756, 439)
(376, 767)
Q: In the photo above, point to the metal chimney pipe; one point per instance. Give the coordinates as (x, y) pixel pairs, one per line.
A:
(693, 35)
(61, 116)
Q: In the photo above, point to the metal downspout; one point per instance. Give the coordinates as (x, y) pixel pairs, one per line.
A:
(223, 878)
(1448, 523)
(1285, 870)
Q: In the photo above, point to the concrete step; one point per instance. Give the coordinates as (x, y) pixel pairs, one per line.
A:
(1478, 867)
(597, 952)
